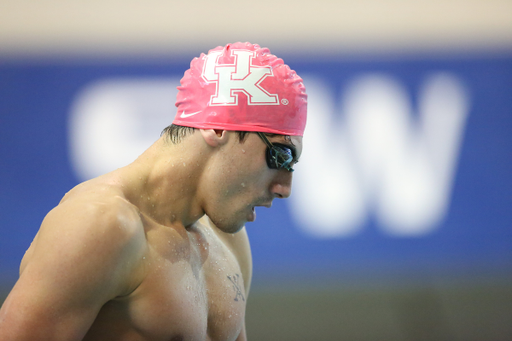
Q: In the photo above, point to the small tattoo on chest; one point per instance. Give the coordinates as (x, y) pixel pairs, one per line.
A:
(236, 286)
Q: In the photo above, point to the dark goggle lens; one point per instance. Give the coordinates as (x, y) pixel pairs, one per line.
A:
(279, 156)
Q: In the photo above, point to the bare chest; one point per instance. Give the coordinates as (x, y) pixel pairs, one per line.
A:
(193, 290)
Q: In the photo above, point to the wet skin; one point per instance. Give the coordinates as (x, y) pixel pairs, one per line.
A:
(131, 255)
(188, 292)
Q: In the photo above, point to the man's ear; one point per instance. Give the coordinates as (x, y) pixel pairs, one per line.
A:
(215, 137)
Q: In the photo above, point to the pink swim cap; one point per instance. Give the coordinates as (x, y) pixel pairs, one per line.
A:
(242, 87)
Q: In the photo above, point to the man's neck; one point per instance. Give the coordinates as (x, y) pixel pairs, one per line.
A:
(163, 182)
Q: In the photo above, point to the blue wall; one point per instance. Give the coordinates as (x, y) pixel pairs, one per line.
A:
(471, 232)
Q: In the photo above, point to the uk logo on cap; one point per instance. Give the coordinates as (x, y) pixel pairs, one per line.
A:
(242, 87)
(242, 76)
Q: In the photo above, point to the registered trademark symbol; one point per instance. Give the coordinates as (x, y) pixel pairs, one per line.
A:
(284, 101)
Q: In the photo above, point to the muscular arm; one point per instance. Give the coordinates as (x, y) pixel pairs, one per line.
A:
(83, 255)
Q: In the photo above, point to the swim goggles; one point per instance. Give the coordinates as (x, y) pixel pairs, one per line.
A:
(278, 155)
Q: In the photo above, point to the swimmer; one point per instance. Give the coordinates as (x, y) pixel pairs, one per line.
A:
(157, 250)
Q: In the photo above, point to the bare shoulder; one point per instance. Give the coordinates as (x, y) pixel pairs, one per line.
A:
(95, 226)
(88, 251)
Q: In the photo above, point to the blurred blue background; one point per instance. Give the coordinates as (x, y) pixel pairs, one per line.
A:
(399, 226)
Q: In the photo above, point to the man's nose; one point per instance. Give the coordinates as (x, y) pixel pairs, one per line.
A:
(282, 185)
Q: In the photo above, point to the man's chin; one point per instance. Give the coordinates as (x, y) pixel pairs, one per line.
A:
(228, 227)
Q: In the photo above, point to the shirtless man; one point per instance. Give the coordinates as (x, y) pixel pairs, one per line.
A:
(157, 250)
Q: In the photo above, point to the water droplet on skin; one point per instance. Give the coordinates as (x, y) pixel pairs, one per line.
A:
(243, 184)
(184, 164)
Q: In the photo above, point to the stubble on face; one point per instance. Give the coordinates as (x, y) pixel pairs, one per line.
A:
(245, 184)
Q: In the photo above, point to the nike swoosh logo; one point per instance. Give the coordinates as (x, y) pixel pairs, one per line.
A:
(183, 115)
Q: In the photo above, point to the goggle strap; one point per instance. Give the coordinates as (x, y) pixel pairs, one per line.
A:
(264, 138)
